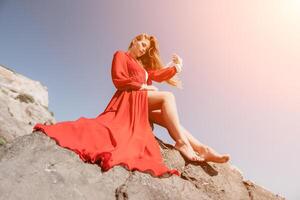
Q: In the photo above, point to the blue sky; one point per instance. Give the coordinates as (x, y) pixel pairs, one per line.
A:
(240, 77)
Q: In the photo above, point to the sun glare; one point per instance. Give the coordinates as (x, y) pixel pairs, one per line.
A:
(291, 10)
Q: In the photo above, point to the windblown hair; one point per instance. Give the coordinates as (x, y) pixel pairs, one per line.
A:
(151, 59)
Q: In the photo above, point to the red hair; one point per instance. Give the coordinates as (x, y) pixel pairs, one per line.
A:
(151, 59)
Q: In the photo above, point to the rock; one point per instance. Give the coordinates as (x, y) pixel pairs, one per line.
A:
(20, 84)
(33, 166)
(258, 192)
(23, 102)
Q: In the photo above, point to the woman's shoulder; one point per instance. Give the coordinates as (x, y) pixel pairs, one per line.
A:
(119, 52)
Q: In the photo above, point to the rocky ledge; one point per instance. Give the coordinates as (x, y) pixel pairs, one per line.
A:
(33, 166)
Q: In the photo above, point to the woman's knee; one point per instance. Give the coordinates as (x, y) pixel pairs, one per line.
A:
(169, 96)
(157, 98)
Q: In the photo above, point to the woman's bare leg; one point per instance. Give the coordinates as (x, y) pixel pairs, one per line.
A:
(166, 102)
(206, 152)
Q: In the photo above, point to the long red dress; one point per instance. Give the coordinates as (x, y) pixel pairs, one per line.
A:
(121, 134)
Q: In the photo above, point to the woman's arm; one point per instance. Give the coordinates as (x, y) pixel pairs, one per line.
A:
(120, 76)
(163, 74)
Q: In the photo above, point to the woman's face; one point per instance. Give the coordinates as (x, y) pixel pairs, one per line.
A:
(140, 47)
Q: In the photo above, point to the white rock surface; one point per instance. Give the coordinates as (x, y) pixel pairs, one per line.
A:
(21, 84)
(23, 102)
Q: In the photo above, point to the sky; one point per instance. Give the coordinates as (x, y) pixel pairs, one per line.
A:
(241, 66)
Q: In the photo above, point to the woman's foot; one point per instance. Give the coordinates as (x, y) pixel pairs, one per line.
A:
(211, 155)
(187, 151)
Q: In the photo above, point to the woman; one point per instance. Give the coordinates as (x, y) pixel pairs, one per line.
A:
(122, 134)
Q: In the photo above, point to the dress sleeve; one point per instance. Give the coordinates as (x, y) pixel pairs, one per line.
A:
(120, 76)
(163, 74)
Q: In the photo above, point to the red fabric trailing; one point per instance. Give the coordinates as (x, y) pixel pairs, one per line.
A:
(121, 134)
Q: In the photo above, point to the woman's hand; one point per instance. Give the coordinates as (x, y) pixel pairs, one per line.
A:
(149, 87)
(177, 62)
(176, 59)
